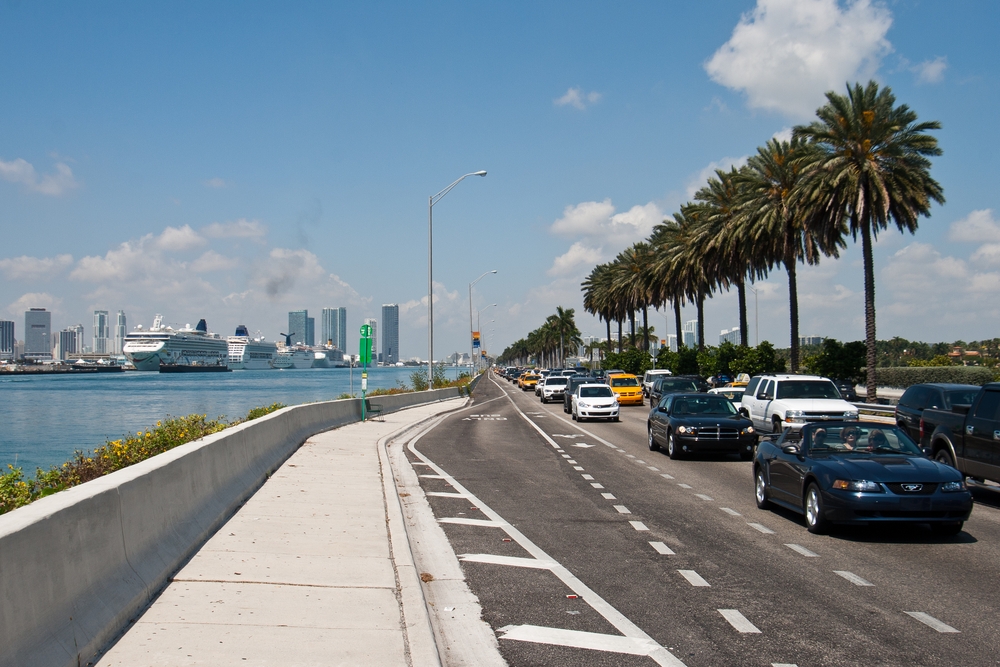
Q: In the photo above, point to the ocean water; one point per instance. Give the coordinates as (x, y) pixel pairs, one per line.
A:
(44, 419)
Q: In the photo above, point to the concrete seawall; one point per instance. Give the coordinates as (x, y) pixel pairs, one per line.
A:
(78, 566)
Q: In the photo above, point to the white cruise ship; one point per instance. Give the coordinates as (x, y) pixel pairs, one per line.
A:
(246, 353)
(296, 356)
(160, 347)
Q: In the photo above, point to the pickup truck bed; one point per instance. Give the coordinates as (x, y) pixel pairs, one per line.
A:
(967, 437)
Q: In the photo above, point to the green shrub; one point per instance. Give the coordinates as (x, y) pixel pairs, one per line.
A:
(903, 377)
(263, 410)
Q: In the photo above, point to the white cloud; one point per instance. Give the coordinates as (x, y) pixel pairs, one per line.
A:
(575, 97)
(125, 262)
(599, 220)
(987, 254)
(922, 280)
(977, 227)
(215, 183)
(785, 54)
(33, 300)
(34, 268)
(578, 254)
(213, 261)
(585, 219)
(23, 172)
(235, 229)
(931, 71)
(179, 238)
(698, 181)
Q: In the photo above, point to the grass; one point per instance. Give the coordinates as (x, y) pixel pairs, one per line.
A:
(16, 490)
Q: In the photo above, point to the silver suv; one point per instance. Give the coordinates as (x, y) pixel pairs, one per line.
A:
(778, 402)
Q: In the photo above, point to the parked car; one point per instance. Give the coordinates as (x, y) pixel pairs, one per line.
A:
(553, 388)
(694, 423)
(858, 473)
(627, 387)
(594, 401)
(780, 401)
(648, 378)
(673, 384)
(967, 437)
(571, 386)
(937, 396)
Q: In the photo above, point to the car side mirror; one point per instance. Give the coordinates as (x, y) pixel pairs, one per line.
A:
(791, 449)
(764, 397)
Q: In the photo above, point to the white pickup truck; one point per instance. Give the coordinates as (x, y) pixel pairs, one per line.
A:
(778, 402)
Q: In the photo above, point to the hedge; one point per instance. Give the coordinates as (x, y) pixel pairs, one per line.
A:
(903, 377)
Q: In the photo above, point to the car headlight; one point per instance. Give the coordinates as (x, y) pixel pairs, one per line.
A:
(687, 430)
(795, 416)
(851, 416)
(748, 430)
(583, 404)
(857, 485)
(952, 487)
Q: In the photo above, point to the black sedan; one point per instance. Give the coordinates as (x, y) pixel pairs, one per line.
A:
(859, 473)
(690, 423)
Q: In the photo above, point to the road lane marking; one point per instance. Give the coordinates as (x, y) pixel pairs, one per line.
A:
(685, 486)
(445, 494)
(631, 456)
(417, 463)
(513, 561)
(761, 528)
(583, 445)
(622, 509)
(640, 461)
(579, 639)
(597, 485)
(433, 476)
(653, 468)
(739, 621)
(703, 496)
(693, 578)
(783, 664)
(730, 511)
(579, 468)
(853, 578)
(666, 476)
(462, 521)
(662, 548)
(638, 525)
(567, 456)
(798, 548)
(571, 461)
(930, 621)
(587, 477)
(609, 496)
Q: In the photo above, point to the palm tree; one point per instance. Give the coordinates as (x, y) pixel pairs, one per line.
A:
(666, 244)
(597, 295)
(631, 282)
(871, 167)
(564, 324)
(773, 218)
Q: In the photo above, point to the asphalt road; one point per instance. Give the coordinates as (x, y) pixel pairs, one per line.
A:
(671, 562)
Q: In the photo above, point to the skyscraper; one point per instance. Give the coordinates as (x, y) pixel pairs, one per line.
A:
(120, 331)
(67, 343)
(6, 339)
(390, 333)
(297, 323)
(328, 326)
(374, 325)
(691, 333)
(37, 334)
(342, 328)
(78, 330)
(334, 327)
(102, 331)
(310, 331)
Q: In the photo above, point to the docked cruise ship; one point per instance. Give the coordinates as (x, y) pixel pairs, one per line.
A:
(164, 348)
(246, 353)
(295, 356)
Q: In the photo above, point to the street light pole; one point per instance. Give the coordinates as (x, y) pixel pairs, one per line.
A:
(472, 350)
(478, 315)
(430, 273)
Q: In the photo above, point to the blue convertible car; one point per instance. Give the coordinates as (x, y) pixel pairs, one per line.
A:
(850, 472)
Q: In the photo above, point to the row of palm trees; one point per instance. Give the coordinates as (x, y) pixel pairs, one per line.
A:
(862, 166)
(548, 343)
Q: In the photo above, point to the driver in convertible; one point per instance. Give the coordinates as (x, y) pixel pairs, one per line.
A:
(877, 439)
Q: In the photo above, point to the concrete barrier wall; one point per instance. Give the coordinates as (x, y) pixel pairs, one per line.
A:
(78, 566)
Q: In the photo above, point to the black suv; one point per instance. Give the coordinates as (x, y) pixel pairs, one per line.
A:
(574, 382)
(935, 395)
(673, 384)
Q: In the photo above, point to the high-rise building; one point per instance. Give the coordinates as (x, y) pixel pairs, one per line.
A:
(328, 327)
(810, 340)
(730, 335)
(340, 332)
(390, 333)
(298, 322)
(102, 331)
(78, 331)
(374, 325)
(37, 334)
(120, 331)
(67, 343)
(310, 331)
(7, 339)
(691, 333)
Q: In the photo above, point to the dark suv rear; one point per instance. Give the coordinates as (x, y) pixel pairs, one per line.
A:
(673, 384)
(935, 395)
(574, 382)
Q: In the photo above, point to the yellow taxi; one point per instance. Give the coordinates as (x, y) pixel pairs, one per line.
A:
(627, 388)
(528, 381)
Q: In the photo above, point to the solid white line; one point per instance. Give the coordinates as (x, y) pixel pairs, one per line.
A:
(730, 512)
(514, 561)
(587, 477)
(684, 486)
(579, 468)
(929, 620)
(609, 496)
(638, 525)
(739, 621)
(693, 578)
(853, 578)
(445, 494)
(662, 548)
(761, 528)
(432, 476)
(703, 496)
(579, 639)
(798, 548)
(666, 476)
(622, 509)
(462, 521)
(597, 485)
(418, 463)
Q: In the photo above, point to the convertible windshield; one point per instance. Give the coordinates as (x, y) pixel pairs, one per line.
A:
(624, 382)
(595, 392)
(703, 405)
(860, 439)
(807, 389)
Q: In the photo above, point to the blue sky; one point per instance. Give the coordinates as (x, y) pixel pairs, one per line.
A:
(235, 161)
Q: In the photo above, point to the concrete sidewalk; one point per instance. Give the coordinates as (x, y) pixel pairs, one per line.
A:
(314, 569)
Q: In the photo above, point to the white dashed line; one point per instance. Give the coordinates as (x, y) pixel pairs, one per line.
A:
(629, 455)
(567, 456)
(783, 664)
(730, 511)
(609, 496)
(684, 486)
(739, 621)
(622, 509)
(703, 496)
(587, 477)
(640, 461)
(666, 476)
(578, 468)
(597, 485)
(693, 578)
(798, 548)
(930, 621)
(853, 578)
(763, 529)
(571, 461)
(638, 525)
(653, 468)
(662, 548)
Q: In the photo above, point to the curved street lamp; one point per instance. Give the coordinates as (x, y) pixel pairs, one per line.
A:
(433, 199)
(472, 349)
(478, 315)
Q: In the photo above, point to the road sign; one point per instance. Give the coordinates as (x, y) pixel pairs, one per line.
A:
(366, 331)
(365, 351)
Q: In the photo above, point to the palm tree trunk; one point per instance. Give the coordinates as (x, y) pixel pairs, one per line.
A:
(645, 328)
(619, 335)
(793, 314)
(677, 323)
(741, 292)
(866, 249)
(701, 321)
(608, 322)
(631, 321)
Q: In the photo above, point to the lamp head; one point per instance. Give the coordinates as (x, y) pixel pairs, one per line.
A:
(493, 271)
(479, 173)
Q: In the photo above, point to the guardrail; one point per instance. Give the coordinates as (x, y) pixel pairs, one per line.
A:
(876, 409)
